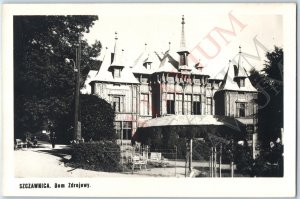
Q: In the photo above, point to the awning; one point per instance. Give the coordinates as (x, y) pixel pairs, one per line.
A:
(190, 120)
(193, 126)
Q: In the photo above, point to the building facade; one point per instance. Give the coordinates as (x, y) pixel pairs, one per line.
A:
(162, 84)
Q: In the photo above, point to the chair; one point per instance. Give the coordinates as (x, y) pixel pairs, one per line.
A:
(138, 161)
(20, 144)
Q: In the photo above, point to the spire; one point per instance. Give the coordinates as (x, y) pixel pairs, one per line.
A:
(182, 40)
(240, 69)
(146, 47)
(169, 45)
(117, 57)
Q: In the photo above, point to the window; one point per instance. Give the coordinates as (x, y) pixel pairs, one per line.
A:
(127, 130)
(188, 105)
(148, 65)
(242, 83)
(170, 104)
(209, 106)
(117, 103)
(117, 73)
(144, 106)
(117, 127)
(196, 105)
(241, 109)
(179, 104)
(182, 59)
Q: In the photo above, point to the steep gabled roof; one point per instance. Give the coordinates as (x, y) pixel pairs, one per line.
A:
(228, 81)
(87, 88)
(166, 65)
(146, 56)
(105, 75)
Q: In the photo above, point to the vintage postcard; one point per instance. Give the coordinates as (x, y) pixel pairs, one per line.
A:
(149, 100)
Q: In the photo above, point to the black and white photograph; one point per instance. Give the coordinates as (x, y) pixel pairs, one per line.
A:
(126, 95)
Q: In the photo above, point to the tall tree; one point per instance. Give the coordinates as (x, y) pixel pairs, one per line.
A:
(270, 99)
(43, 83)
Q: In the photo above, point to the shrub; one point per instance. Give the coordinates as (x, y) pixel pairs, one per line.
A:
(269, 163)
(102, 155)
(97, 118)
(243, 159)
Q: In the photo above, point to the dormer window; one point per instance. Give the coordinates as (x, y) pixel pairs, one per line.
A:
(147, 65)
(117, 73)
(242, 82)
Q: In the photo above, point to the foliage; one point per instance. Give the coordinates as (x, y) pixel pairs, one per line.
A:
(43, 83)
(270, 98)
(201, 151)
(243, 159)
(97, 118)
(269, 163)
(100, 156)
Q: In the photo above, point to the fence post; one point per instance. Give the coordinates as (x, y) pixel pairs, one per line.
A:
(232, 169)
(175, 161)
(220, 165)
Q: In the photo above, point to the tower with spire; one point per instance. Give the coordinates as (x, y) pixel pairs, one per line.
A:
(240, 73)
(183, 51)
(117, 64)
(236, 95)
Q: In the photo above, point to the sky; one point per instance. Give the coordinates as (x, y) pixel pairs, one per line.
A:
(157, 25)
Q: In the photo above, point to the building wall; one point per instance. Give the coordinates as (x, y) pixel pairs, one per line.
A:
(149, 99)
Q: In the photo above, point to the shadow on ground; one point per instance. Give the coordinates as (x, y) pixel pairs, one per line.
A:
(64, 154)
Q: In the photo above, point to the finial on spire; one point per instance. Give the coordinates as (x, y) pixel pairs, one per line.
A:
(182, 22)
(240, 49)
(116, 35)
(146, 46)
(169, 45)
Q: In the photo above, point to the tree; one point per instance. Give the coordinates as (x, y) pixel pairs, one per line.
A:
(97, 118)
(43, 83)
(270, 99)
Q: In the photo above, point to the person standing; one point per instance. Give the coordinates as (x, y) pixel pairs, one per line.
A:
(53, 139)
(52, 134)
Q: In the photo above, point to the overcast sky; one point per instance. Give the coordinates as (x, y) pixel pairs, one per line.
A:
(157, 25)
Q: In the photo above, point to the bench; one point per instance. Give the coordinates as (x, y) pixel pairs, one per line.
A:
(138, 161)
(20, 144)
(157, 159)
(154, 156)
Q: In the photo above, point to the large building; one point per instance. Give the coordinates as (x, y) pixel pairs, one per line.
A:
(163, 84)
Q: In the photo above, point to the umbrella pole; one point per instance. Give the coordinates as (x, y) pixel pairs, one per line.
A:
(209, 165)
(215, 161)
(190, 155)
